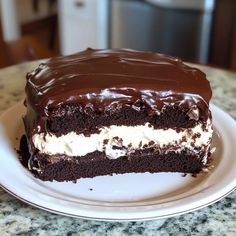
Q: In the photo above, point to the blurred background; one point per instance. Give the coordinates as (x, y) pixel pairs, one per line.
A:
(201, 31)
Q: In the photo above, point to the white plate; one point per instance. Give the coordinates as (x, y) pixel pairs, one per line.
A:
(120, 197)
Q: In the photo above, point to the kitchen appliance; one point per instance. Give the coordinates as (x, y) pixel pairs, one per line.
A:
(178, 27)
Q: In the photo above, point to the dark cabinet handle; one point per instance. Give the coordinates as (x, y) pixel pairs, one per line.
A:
(79, 4)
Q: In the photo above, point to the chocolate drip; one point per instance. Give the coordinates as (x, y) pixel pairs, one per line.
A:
(105, 80)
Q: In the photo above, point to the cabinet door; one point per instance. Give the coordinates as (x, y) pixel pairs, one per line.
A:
(82, 24)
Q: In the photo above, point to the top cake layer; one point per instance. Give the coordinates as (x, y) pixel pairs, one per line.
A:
(120, 87)
(100, 78)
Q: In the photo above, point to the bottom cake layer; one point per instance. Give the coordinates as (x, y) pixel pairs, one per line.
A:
(64, 168)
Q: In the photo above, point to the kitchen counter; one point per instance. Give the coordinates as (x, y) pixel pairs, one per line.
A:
(18, 218)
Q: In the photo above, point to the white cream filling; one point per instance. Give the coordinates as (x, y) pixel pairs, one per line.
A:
(126, 139)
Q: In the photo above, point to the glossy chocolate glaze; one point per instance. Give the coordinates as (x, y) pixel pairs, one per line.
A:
(106, 79)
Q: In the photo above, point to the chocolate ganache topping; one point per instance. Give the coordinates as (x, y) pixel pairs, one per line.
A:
(102, 79)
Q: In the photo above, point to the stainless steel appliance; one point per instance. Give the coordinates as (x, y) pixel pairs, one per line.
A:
(177, 27)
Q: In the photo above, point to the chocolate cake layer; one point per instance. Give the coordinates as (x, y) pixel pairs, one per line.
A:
(67, 118)
(76, 169)
(62, 168)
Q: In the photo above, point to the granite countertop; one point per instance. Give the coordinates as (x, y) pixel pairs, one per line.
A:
(18, 218)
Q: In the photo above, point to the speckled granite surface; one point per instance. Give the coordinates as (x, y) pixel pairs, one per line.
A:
(17, 218)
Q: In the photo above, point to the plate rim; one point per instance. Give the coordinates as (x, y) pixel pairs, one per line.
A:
(229, 190)
(114, 219)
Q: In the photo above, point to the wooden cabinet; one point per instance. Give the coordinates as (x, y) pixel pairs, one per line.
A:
(223, 46)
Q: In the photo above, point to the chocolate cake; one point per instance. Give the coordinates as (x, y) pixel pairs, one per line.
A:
(100, 112)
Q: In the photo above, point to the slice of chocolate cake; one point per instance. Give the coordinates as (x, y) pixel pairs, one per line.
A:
(100, 112)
